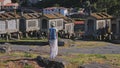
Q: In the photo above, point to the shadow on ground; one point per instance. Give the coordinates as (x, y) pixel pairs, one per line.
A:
(60, 43)
(27, 43)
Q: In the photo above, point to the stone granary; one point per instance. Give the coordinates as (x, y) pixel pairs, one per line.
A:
(29, 24)
(9, 25)
(79, 28)
(98, 25)
(64, 24)
(68, 25)
(47, 19)
(116, 27)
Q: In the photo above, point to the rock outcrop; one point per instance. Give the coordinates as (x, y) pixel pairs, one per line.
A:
(49, 63)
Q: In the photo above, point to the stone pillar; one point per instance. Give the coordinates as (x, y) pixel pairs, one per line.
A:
(10, 36)
(7, 36)
(0, 36)
(36, 34)
(26, 34)
(21, 35)
(18, 35)
(110, 38)
(32, 32)
(100, 37)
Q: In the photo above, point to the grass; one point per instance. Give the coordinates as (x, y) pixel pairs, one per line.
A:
(81, 59)
(2, 65)
(24, 54)
(2, 54)
(34, 39)
(82, 44)
(28, 66)
(74, 59)
(25, 40)
(16, 55)
(85, 43)
(29, 39)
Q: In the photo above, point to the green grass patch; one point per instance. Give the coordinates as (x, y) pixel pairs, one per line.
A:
(29, 39)
(81, 59)
(28, 66)
(25, 40)
(100, 56)
(32, 40)
(24, 54)
(3, 40)
(76, 59)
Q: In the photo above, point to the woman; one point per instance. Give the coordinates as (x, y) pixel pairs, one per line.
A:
(53, 41)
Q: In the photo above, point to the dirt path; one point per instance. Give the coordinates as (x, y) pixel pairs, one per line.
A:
(107, 49)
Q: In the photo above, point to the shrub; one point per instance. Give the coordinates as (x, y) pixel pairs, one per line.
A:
(28, 66)
(27, 54)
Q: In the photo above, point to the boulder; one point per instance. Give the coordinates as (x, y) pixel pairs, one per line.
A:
(49, 63)
(2, 50)
(5, 48)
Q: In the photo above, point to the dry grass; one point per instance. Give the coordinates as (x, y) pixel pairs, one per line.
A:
(2, 65)
(81, 59)
(90, 44)
(24, 54)
(14, 56)
(74, 59)
(85, 43)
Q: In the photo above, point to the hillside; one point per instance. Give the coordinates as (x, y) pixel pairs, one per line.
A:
(110, 6)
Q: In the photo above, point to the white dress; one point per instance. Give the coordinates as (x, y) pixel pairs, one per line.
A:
(53, 48)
